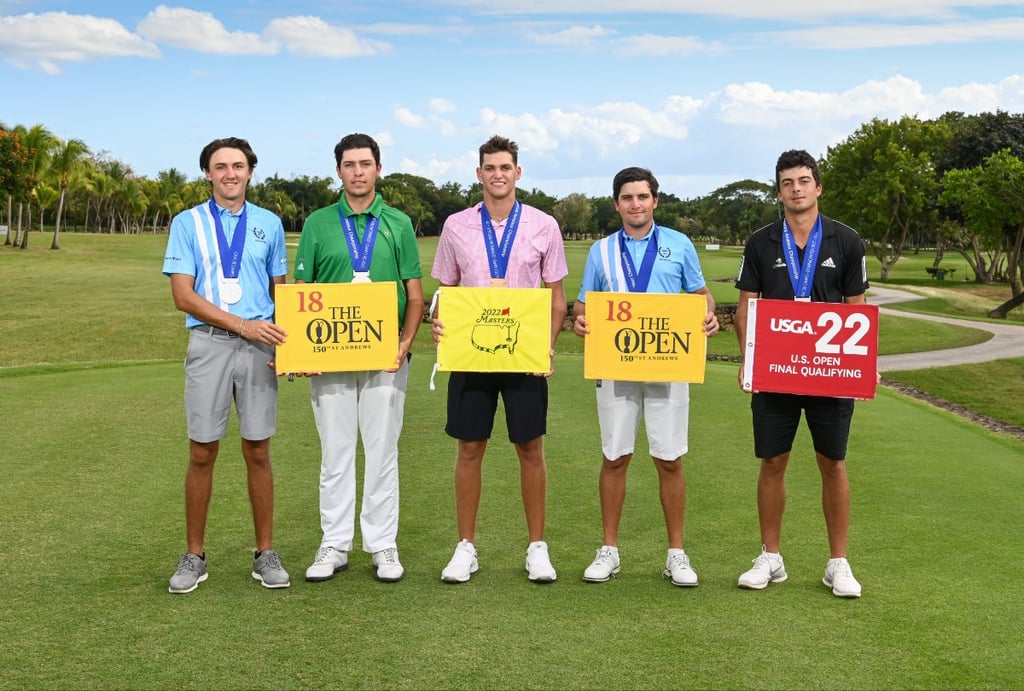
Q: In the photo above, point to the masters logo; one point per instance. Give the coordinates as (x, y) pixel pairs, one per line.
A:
(495, 329)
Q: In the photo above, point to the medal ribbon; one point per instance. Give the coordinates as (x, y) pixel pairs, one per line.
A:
(802, 278)
(230, 257)
(497, 257)
(360, 252)
(637, 283)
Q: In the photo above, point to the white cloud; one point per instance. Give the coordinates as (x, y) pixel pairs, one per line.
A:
(407, 118)
(660, 46)
(849, 37)
(200, 31)
(47, 40)
(431, 122)
(740, 9)
(393, 29)
(890, 98)
(573, 36)
(440, 105)
(683, 107)
(756, 104)
(632, 120)
(446, 127)
(461, 167)
(741, 121)
(595, 131)
(303, 36)
(598, 131)
(530, 131)
(1007, 94)
(313, 37)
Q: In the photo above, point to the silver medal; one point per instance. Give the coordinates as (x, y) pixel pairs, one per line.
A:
(230, 290)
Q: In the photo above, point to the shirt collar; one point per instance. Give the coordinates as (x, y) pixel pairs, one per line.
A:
(373, 210)
(224, 210)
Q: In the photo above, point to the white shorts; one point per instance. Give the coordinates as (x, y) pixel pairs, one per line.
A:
(664, 406)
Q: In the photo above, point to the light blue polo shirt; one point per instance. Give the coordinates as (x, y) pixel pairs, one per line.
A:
(192, 249)
(676, 266)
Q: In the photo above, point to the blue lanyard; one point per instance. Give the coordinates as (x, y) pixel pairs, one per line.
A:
(497, 257)
(802, 278)
(230, 257)
(637, 283)
(359, 252)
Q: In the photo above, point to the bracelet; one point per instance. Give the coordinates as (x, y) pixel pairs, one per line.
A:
(241, 322)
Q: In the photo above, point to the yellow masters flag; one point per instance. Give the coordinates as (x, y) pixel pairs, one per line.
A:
(645, 337)
(494, 329)
(337, 327)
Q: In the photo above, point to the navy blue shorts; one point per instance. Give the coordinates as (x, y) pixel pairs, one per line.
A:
(777, 417)
(473, 402)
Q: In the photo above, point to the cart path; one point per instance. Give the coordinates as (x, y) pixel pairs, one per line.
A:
(1007, 339)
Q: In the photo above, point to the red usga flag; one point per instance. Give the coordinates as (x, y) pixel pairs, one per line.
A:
(811, 348)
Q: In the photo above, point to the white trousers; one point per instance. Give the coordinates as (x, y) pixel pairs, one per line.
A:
(371, 405)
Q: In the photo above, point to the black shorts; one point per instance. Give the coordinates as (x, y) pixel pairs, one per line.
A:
(473, 401)
(777, 416)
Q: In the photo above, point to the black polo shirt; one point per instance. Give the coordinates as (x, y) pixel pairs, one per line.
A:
(841, 270)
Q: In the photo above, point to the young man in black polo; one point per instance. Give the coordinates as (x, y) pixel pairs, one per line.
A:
(803, 256)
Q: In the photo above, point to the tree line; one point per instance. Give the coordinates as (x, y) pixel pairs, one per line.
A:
(61, 184)
(954, 183)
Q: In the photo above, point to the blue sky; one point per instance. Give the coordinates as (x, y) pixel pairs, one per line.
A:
(703, 93)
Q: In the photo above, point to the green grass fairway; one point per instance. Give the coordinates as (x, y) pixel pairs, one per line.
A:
(94, 462)
(94, 453)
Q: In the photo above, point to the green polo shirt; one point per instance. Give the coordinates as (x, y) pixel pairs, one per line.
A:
(323, 253)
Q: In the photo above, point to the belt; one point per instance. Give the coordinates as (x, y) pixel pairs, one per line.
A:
(206, 328)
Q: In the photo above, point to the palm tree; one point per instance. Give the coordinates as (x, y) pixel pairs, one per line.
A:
(167, 196)
(40, 142)
(279, 202)
(66, 158)
(115, 192)
(135, 204)
(45, 196)
(195, 192)
(102, 188)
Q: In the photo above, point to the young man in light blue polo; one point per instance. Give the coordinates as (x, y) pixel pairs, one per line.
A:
(642, 257)
(224, 258)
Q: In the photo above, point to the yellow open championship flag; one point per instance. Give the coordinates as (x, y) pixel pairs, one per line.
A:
(645, 337)
(494, 329)
(337, 327)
